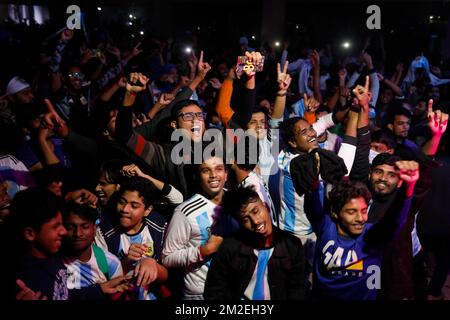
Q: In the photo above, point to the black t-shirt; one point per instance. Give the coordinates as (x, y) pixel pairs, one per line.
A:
(48, 276)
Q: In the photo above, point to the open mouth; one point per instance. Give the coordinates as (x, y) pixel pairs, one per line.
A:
(196, 129)
(214, 184)
(311, 140)
(260, 227)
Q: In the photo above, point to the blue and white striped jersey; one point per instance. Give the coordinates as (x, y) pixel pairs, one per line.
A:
(84, 274)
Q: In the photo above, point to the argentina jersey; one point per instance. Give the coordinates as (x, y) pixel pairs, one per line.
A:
(292, 215)
(189, 229)
(84, 274)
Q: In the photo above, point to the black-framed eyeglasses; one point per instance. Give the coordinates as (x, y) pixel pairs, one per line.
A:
(189, 116)
(78, 75)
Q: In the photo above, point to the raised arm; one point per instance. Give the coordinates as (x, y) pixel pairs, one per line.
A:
(394, 219)
(284, 80)
(437, 122)
(315, 61)
(55, 61)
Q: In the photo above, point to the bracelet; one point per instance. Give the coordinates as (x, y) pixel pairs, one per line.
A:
(282, 94)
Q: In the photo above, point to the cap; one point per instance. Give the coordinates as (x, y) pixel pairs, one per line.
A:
(15, 85)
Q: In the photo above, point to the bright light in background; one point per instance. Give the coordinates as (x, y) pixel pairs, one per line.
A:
(99, 8)
(297, 26)
(198, 28)
(277, 44)
(188, 50)
(253, 37)
(142, 33)
(431, 17)
(346, 45)
(130, 16)
(130, 23)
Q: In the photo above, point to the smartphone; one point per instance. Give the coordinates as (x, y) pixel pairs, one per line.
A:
(244, 65)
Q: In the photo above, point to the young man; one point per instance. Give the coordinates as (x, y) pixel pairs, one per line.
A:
(41, 273)
(136, 236)
(190, 242)
(86, 263)
(349, 249)
(260, 262)
(39, 229)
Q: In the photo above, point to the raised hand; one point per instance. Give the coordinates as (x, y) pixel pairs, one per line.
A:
(311, 104)
(51, 120)
(437, 120)
(67, 35)
(255, 59)
(315, 59)
(166, 98)
(134, 78)
(82, 196)
(135, 51)
(283, 78)
(363, 94)
(132, 170)
(184, 81)
(202, 67)
(215, 83)
(409, 174)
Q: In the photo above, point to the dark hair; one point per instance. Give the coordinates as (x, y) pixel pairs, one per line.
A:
(235, 199)
(385, 158)
(381, 136)
(33, 207)
(112, 170)
(145, 188)
(180, 105)
(264, 110)
(287, 129)
(84, 211)
(346, 190)
(397, 111)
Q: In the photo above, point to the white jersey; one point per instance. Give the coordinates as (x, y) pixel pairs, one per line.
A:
(292, 215)
(189, 229)
(84, 274)
(253, 179)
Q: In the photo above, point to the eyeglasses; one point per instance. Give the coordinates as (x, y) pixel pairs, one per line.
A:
(189, 116)
(78, 75)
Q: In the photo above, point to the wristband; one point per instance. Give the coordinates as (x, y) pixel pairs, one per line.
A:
(282, 94)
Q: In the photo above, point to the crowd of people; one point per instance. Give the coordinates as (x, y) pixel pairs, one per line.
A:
(340, 193)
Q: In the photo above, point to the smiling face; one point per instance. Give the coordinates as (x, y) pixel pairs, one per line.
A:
(47, 241)
(105, 189)
(80, 232)
(305, 137)
(384, 179)
(212, 177)
(255, 217)
(131, 210)
(353, 217)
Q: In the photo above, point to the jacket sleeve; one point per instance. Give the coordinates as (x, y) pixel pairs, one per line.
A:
(361, 166)
(149, 129)
(219, 274)
(176, 250)
(347, 152)
(389, 226)
(223, 107)
(296, 274)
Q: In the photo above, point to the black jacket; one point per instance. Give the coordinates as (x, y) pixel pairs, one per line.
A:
(234, 264)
